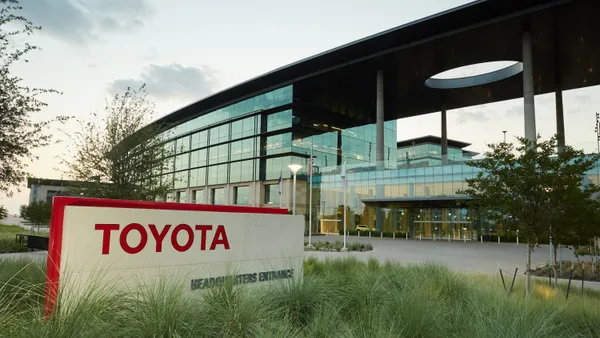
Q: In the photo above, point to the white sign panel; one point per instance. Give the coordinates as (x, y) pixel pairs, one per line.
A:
(201, 246)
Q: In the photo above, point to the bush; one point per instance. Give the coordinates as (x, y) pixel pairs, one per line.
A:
(10, 246)
(337, 298)
(338, 245)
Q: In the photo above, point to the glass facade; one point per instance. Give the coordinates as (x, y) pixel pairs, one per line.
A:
(229, 145)
(236, 155)
(422, 201)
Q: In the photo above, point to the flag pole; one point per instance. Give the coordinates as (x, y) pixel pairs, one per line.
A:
(344, 183)
(281, 185)
(310, 174)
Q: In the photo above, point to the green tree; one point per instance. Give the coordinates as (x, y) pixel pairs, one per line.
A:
(37, 213)
(3, 212)
(524, 183)
(116, 157)
(574, 222)
(19, 133)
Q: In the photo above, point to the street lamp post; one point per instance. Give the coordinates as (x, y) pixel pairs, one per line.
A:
(504, 131)
(311, 165)
(294, 168)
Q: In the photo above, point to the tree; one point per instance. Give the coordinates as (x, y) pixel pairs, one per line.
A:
(3, 212)
(524, 184)
(115, 156)
(19, 134)
(37, 213)
(575, 219)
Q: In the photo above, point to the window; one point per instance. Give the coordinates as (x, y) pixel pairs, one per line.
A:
(219, 134)
(181, 179)
(181, 197)
(277, 97)
(200, 139)
(169, 148)
(169, 164)
(281, 120)
(242, 149)
(241, 195)
(241, 171)
(218, 196)
(198, 196)
(272, 194)
(242, 128)
(218, 154)
(167, 180)
(217, 174)
(198, 158)
(182, 144)
(182, 161)
(278, 144)
(198, 177)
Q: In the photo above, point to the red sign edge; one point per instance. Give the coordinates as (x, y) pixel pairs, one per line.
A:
(59, 203)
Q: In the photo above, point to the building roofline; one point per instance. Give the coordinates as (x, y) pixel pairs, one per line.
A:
(433, 140)
(448, 22)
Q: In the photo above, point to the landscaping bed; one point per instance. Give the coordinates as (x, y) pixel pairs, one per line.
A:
(580, 269)
(336, 298)
(337, 246)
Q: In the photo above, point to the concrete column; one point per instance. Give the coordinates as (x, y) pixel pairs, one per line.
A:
(528, 89)
(379, 148)
(379, 145)
(444, 137)
(560, 121)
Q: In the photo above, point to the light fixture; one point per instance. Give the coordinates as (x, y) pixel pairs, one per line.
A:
(294, 168)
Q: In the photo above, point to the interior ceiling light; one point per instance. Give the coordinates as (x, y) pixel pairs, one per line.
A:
(500, 70)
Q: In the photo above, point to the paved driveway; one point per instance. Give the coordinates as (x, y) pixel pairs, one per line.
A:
(457, 255)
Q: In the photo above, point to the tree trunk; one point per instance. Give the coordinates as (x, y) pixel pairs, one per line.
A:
(528, 270)
(555, 264)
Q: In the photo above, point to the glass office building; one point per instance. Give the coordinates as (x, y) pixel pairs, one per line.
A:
(235, 155)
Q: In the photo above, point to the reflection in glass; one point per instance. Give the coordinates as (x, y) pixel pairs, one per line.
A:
(218, 196)
(241, 195)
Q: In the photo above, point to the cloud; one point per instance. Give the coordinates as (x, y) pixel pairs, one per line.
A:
(172, 81)
(481, 115)
(583, 98)
(514, 111)
(82, 21)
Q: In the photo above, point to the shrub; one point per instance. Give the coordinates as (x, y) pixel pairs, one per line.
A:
(336, 298)
(338, 245)
(10, 246)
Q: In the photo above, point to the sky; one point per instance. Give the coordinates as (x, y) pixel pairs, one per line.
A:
(185, 50)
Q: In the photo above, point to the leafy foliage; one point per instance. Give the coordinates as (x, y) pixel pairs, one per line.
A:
(535, 190)
(3, 212)
(19, 133)
(336, 298)
(38, 212)
(115, 158)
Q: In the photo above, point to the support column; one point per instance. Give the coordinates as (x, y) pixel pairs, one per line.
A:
(528, 89)
(560, 119)
(379, 145)
(379, 148)
(444, 137)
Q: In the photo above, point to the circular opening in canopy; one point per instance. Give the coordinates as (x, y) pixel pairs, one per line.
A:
(474, 75)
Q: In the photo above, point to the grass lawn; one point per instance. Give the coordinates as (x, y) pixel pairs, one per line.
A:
(337, 298)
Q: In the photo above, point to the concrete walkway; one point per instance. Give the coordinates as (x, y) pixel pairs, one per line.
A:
(457, 255)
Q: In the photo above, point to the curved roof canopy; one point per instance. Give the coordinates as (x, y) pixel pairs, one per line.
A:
(566, 53)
